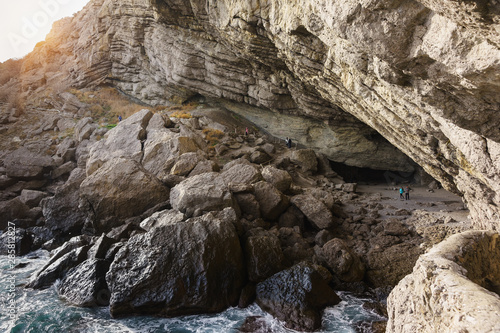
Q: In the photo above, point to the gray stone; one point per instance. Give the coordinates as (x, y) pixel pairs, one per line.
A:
(271, 201)
(202, 255)
(297, 296)
(32, 198)
(279, 178)
(316, 211)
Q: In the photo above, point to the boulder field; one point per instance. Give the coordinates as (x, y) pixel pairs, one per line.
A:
(151, 219)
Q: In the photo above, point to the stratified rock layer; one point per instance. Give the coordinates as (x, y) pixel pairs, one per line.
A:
(423, 74)
(453, 288)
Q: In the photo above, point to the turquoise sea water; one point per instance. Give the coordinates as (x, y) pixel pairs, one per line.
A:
(43, 311)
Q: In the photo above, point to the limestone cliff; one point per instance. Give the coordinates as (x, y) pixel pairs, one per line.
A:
(424, 74)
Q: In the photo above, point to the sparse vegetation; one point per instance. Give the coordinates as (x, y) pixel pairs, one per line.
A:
(106, 104)
(182, 111)
(213, 136)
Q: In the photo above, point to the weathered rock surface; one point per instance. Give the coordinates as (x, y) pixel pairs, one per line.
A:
(122, 141)
(278, 178)
(342, 261)
(297, 296)
(420, 73)
(23, 163)
(85, 285)
(271, 201)
(453, 288)
(263, 254)
(201, 193)
(119, 189)
(62, 213)
(188, 267)
(316, 211)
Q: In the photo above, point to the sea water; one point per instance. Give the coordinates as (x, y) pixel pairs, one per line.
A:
(38, 311)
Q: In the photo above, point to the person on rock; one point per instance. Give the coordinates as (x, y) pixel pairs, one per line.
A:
(407, 193)
(286, 141)
(246, 131)
(289, 143)
(401, 191)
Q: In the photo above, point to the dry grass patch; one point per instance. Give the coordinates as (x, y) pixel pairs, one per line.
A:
(213, 136)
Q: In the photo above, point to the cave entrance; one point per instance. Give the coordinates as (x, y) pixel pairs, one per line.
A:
(352, 174)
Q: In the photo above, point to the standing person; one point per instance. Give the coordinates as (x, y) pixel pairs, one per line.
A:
(289, 143)
(407, 193)
(401, 191)
(246, 131)
(286, 141)
(119, 118)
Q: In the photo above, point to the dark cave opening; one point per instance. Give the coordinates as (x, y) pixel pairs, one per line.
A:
(352, 174)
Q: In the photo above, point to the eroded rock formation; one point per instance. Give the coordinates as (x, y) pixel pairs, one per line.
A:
(423, 74)
(457, 279)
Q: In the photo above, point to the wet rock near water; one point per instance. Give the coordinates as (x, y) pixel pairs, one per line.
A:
(297, 296)
(188, 267)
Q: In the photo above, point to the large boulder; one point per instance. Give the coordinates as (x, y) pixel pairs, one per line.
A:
(85, 285)
(58, 268)
(297, 296)
(201, 193)
(453, 288)
(23, 163)
(279, 178)
(32, 198)
(241, 174)
(61, 211)
(19, 242)
(306, 159)
(121, 188)
(343, 261)
(183, 268)
(271, 201)
(12, 209)
(263, 254)
(316, 211)
(122, 141)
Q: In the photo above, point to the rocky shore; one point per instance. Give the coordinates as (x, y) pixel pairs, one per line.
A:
(170, 215)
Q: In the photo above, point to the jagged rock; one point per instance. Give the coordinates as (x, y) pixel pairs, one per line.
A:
(122, 231)
(247, 296)
(41, 235)
(292, 217)
(201, 193)
(23, 163)
(6, 181)
(21, 239)
(185, 164)
(62, 170)
(387, 264)
(184, 268)
(57, 269)
(323, 237)
(162, 148)
(100, 247)
(109, 192)
(62, 213)
(306, 159)
(84, 129)
(204, 167)
(241, 174)
(458, 277)
(343, 261)
(12, 209)
(297, 296)
(237, 161)
(263, 255)
(32, 198)
(164, 217)
(279, 178)
(316, 212)
(271, 201)
(259, 157)
(395, 228)
(66, 149)
(255, 324)
(248, 204)
(158, 122)
(85, 285)
(122, 141)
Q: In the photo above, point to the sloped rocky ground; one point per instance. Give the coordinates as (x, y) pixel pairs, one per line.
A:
(184, 215)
